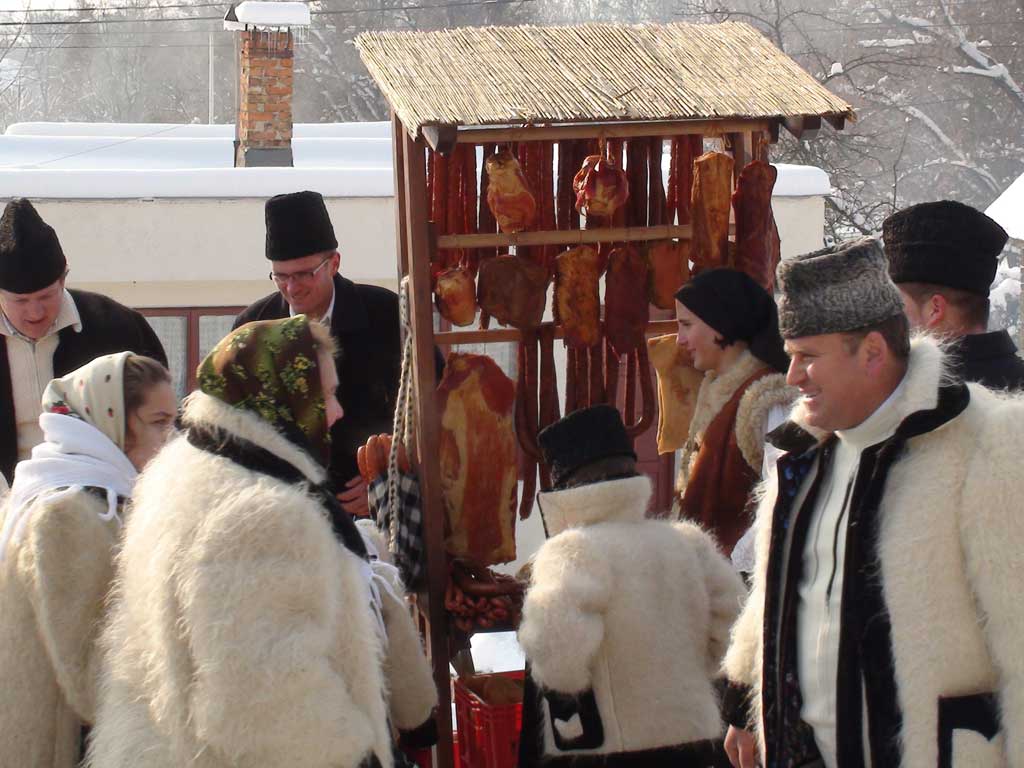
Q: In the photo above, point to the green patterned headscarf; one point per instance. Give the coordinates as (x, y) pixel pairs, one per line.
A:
(271, 368)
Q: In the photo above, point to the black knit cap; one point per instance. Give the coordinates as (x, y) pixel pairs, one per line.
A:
(30, 254)
(738, 309)
(943, 243)
(581, 438)
(298, 225)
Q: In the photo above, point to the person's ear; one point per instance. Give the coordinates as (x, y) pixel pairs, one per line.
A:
(936, 311)
(874, 353)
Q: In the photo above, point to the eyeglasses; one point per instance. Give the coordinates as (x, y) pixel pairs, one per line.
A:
(305, 276)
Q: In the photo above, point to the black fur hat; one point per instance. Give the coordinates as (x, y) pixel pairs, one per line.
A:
(581, 438)
(30, 254)
(943, 243)
(298, 225)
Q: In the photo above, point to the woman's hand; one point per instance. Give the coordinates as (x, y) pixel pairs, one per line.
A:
(741, 748)
(354, 499)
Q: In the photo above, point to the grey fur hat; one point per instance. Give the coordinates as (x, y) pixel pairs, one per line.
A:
(836, 290)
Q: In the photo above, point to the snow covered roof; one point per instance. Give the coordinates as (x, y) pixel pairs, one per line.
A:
(266, 14)
(126, 161)
(1008, 209)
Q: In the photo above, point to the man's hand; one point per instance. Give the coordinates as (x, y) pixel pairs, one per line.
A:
(741, 747)
(353, 499)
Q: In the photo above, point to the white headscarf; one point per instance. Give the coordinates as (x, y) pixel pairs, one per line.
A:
(83, 423)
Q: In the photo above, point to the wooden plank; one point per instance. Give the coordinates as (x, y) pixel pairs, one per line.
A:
(401, 213)
(623, 130)
(803, 127)
(441, 138)
(567, 237)
(496, 335)
(427, 421)
(836, 121)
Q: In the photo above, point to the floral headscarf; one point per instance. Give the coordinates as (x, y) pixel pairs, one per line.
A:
(271, 368)
(94, 394)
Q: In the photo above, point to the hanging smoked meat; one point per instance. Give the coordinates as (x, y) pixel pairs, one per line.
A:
(685, 149)
(670, 270)
(512, 290)
(752, 203)
(625, 296)
(508, 195)
(710, 204)
(478, 459)
(455, 296)
(601, 187)
(678, 383)
(577, 299)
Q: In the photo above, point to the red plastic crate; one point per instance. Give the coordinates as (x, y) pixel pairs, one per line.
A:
(488, 734)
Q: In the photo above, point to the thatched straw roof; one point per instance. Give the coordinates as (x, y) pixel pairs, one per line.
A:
(590, 73)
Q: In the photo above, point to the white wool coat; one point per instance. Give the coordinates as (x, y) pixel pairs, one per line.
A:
(951, 548)
(240, 632)
(637, 611)
(53, 581)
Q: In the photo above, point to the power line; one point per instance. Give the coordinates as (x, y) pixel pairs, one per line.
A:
(346, 12)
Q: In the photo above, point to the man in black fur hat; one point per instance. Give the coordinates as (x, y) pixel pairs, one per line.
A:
(304, 258)
(943, 258)
(48, 330)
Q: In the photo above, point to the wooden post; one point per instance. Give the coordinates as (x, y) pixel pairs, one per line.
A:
(427, 421)
(401, 214)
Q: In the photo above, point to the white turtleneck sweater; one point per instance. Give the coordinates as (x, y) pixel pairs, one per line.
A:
(821, 585)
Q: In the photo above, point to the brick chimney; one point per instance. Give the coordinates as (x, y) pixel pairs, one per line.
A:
(263, 132)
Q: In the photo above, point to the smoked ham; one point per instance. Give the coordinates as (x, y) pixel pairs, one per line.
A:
(710, 203)
(752, 203)
(577, 299)
(626, 306)
(678, 384)
(508, 195)
(513, 290)
(670, 269)
(478, 460)
(455, 296)
(601, 187)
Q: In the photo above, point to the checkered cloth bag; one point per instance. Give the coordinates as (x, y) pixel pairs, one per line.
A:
(406, 546)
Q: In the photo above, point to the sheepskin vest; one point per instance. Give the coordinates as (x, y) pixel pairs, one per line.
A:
(722, 461)
(930, 671)
(623, 624)
(240, 631)
(53, 582)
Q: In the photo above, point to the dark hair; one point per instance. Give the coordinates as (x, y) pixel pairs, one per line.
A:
(973, 308)
(895, 331)
(140, 375)
(610, 468)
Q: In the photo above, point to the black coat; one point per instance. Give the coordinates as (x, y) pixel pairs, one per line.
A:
(107, 328)
(990, 359)
(366, 325)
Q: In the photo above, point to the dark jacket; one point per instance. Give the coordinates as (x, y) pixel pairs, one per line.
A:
(366, 325)
(107, 328)
(990, 359)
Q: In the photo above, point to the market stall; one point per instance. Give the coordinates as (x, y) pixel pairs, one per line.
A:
(531, 208)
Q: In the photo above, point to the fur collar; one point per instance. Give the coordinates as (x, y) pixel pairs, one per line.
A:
(927, 370)
(622, 501)
(760, 398)
(717, 390)
(202, 409)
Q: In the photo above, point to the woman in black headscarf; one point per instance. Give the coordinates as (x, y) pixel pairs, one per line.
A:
(728, 326)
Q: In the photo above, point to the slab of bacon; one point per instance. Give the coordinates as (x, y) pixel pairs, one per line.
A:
(670, 270)
(756, 252)
(678, 383)
(455, 296)
(478, 459)
(601, 187)
(710, 204)
(625, 297)
(508, 195)
(577, 299)
(513, 290)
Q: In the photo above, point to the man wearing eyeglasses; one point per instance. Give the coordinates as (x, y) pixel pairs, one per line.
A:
(303, 253)
(47, 330)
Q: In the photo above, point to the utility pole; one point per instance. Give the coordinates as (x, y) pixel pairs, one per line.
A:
(210, 78)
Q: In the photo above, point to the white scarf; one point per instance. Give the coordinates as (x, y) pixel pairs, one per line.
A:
(380, 576)
(72, 456)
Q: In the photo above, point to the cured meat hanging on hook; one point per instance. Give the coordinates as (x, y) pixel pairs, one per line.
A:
(711, 202)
